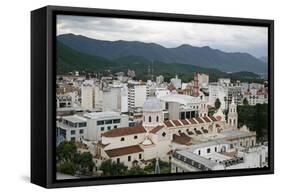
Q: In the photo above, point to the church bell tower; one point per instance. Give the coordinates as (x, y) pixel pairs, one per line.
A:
(232, 115)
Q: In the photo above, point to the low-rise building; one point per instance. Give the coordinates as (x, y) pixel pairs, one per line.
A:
(90, 126)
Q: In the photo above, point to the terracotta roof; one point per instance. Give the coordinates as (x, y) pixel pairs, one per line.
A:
(218, 118)
(100, 144)
(177, 123)
(182, 138)
(206, 119)
(156, 129)
(184, 122)
(124, 131)
(192, 121)
(124, 151)
(168, 124)
(213, 118)
(199, 120)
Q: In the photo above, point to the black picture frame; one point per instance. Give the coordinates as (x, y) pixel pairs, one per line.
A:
(43, 110)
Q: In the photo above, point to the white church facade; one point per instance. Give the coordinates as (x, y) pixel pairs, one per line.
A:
(156, 138)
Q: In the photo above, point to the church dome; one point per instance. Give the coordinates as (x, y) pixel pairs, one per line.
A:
(152, 104)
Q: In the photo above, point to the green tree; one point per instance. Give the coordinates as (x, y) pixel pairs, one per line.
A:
(256, 118)
(66, 151)
(217, 103)
(67, 168)
(245, 101)
(136, 170)
(84, 162)
(165, 167)
(111, 168)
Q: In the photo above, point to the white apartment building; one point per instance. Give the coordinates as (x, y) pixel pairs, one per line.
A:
(218, 155)
(160, 79)
(256, 96)
(218, 91)
(72, 128)
(67, 100)
(137, 94)
(176, 82)
(90, 126)
(160, 92)
(184, 106)
(87, 96)
(203, 80)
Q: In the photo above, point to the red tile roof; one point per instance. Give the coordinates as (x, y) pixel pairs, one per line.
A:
(199, 120)
(192, 121)
(124, 151)
(207, 119)
(213, 118)
(168, 124)
(156, 129)
(124, 131)
(184, 122)
(182, 138)
(177, 123)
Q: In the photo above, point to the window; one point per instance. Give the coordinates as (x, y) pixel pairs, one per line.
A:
(215, 149)
(81, 131)
(122, 139)
(72, 132)
(100, 122)
(115, 126)
(82, 124)
(129, 158)
(116, 120)
(149, 119)
(108, 122)
(199, 152)
(208, 150)
(102, 128)
(118, 160)
(108, 127)
(72, 139)
(157, 119)
(140, 156)
(163, 134)
(135, 137)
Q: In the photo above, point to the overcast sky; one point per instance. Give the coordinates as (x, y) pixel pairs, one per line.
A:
(227, 38)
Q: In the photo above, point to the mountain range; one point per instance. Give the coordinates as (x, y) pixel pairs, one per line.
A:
(185, 54)
(69, 60)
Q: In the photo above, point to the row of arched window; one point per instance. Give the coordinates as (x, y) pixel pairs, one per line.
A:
(150, 119)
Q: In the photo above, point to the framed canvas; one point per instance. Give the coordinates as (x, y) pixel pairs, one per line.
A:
(126, 96)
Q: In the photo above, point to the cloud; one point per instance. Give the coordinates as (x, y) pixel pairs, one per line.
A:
(230, 38)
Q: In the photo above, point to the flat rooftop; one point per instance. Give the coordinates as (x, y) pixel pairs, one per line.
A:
(75, 118)
(180, 98)
(206, 162)
(100, 115)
